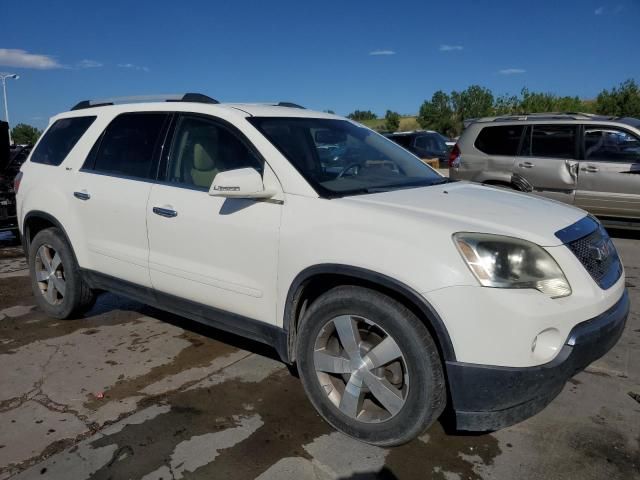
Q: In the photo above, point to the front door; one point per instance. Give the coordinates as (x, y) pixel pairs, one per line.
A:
(213, 251)
(547, 163)
(609, 178)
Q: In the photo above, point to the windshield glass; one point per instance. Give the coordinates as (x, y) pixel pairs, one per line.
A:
(339, 158)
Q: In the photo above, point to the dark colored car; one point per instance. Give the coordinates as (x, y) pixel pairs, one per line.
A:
(10, 163)
(424, 144)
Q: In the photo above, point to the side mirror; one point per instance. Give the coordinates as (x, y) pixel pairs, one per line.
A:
(240, 183)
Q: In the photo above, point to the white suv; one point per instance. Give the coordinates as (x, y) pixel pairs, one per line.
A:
(394, 291)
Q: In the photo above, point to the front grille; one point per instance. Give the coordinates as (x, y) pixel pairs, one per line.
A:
(599, 257)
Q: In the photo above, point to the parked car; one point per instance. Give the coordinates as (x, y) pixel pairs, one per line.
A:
(589, 161)
(9, 168)
(394, 291)
(424, 144)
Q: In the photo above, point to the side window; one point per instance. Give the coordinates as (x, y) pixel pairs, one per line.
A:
(60, 138)
(202, 148)
(610, 144)
(556, 141)
(500, 140)
(421, 142)
(128, 145)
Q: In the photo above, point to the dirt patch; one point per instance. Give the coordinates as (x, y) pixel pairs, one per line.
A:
(607, 450)
(11, 252)
(442, 453)
(289, 422)
(15, 291)
(199, 354)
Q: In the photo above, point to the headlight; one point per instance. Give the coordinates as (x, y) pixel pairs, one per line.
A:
(506, 262)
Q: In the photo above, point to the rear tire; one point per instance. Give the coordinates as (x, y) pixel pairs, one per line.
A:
(370, 366)
(56, 279)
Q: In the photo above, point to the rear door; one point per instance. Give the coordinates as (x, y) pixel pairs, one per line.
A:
(609, 176)
(111, 192)
(547, 164)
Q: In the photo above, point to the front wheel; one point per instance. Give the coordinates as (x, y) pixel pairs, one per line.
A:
(369, 366)
(56, 280)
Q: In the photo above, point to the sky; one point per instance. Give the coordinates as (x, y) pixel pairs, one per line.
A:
(338, 55)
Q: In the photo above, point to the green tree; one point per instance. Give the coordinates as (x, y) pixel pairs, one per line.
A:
(437, 114)
(623, 101)
(360, 115)
(506, 105)
(474, 102)
(391, 121)
(23, 134)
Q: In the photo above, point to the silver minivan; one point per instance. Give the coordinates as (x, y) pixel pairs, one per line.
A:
(586, 160)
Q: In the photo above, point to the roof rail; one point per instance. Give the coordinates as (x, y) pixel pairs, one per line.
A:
(186, 97)
(544, 116)
(290, 105)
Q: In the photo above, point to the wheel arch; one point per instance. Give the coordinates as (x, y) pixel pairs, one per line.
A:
(315, 280)
(34, 222)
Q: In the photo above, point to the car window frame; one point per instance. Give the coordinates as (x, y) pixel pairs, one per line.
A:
(88, 165)
(164, 164)
(528, 131)
(48, 132)
(586, 126)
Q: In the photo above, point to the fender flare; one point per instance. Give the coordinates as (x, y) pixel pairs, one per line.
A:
(426, 309)
(49, 218)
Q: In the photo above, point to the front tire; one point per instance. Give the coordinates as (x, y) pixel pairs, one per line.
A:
(369, 366)
(56, 280)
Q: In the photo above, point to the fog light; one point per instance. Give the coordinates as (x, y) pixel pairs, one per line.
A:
(546, 344)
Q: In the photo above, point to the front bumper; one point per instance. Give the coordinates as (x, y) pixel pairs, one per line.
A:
(491, 397)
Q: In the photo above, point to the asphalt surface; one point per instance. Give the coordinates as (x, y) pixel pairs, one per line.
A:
(132, 392)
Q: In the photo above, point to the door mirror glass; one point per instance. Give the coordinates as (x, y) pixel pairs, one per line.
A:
(239, 183)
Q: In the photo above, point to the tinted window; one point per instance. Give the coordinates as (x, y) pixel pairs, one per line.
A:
(128, 144)
(60, 138)
(432, 143)
(202, 148)
(556, 141)
(503, 140)
(404, 140)
(610, 144)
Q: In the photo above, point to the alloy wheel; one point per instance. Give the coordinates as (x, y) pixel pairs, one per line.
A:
(49, 273)
(361, 369)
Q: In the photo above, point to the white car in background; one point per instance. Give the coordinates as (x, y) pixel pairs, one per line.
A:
(394, 291)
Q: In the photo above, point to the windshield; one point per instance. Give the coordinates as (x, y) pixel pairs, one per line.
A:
(339, 158)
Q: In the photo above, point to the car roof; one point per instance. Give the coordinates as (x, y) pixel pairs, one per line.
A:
(195, 103)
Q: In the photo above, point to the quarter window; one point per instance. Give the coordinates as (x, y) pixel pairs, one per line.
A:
(500, 140)
(128, 145)
(202, 149)
(555, 141)
(610, 144)
(60, 138)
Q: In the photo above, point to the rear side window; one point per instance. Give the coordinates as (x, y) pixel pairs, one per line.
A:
(555, 141)
(128, 145)
(60, 138)
(500, 140)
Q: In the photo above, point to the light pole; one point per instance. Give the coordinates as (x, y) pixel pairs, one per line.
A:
(4, 77)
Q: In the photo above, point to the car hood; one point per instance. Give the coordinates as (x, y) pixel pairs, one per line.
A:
(462, 206)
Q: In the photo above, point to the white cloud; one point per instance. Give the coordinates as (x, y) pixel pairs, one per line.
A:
(599, 11)
(511, 71)
(451, 48)
(382, 52)
(10, 57)
(133, 67)
(88, 64)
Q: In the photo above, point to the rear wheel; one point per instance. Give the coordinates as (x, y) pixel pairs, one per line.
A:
(369, 366)
(56, 280)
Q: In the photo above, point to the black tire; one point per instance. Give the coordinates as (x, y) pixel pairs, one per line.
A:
(426, 396)
(78, 297)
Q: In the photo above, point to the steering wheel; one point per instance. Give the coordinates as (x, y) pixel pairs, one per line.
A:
(349, 167)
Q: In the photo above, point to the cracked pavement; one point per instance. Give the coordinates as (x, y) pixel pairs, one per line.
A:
(132, 392)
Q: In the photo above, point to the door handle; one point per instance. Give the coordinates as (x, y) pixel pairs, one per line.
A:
(590, 169)
(526, 165)
(82, 195)
(165, 212)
